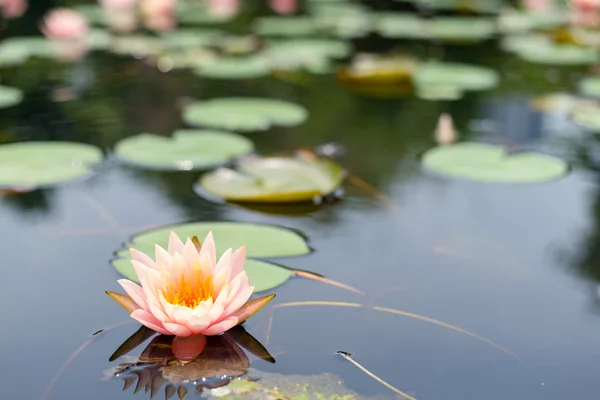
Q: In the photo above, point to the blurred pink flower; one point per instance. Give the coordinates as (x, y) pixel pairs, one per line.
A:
(117, 4)
(64, 24)
(585, 13)
(185, 291)
(537, 5)
(223, 8)
(158, 15)
(284, 6)
(13, 8)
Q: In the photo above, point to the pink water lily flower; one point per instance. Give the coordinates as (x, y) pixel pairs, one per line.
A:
(185, 291)
(13, 8)
(64, 24)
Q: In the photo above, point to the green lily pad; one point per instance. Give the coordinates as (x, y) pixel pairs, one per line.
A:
(587, 116)
(190, 38)
(137, 45)
(439, 92)
(343, 20)
(313, 55)
(514, 21)
(461, 28)
(263, 275)
(261, 241)
(286, 26)
(92, 12)
(198, 14)
(590, 86)
(491, 163)
(400, 25)
(185, 150)
(463, 76)
(32, 46)
(477, 6)
(38, 164)
(235, 68)
(539, 49)
(10, 96)
(243, 113)
(274, 180)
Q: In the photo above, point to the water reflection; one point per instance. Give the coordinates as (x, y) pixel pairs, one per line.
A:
(221, 360)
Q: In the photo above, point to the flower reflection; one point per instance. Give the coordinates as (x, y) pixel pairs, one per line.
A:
(220, 361)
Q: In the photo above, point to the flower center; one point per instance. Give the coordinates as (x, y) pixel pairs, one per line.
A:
(190, 291)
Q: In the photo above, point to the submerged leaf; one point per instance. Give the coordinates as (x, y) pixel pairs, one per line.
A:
(274, 180)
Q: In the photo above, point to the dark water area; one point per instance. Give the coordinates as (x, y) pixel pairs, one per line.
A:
(516, 264)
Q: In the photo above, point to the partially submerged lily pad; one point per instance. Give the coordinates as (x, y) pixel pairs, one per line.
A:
(243, 113)
(38, 164)
(461, 76)
(235, 68)
(492, 163)
(10, 96)
(274, 180)
(185, 150)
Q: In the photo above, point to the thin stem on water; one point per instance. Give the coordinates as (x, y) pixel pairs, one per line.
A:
(348, 357)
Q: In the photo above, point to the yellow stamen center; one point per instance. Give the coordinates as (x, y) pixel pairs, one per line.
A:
(189, 291)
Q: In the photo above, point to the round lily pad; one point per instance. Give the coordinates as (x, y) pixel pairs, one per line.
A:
(311, 54)
(460, 28)
(30, 46)
(513, 21)
(286, 26)
(10, 96)
(197, 13)
(587, 116)
(235, 68)
(35, 164)
(491, 163)
(244, 113)
(590, 86)
(400, 25)
(261, 241)
(274, 180)
(263, 274)
(185, 150)
(537, 48)
(462, 76)
(190, 38)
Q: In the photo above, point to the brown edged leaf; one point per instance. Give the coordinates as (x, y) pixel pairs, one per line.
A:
(252, 306)
(124, 301)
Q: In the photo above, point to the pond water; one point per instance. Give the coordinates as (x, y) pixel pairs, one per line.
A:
(515, 264)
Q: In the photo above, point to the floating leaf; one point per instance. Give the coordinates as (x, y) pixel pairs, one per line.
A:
(439, 92)
(540, 49)
(286, 26)
(260, 240)
(491, 163)
(274, 180)
(235, 68)
(185, 150)
(196, 13)
(190, 38)
(10, 96)
(460, 28)
(587, 116)
(45, 163)
(590, 86)
(400, 25)
(463, 76)
(311, 54)
(243, 113)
